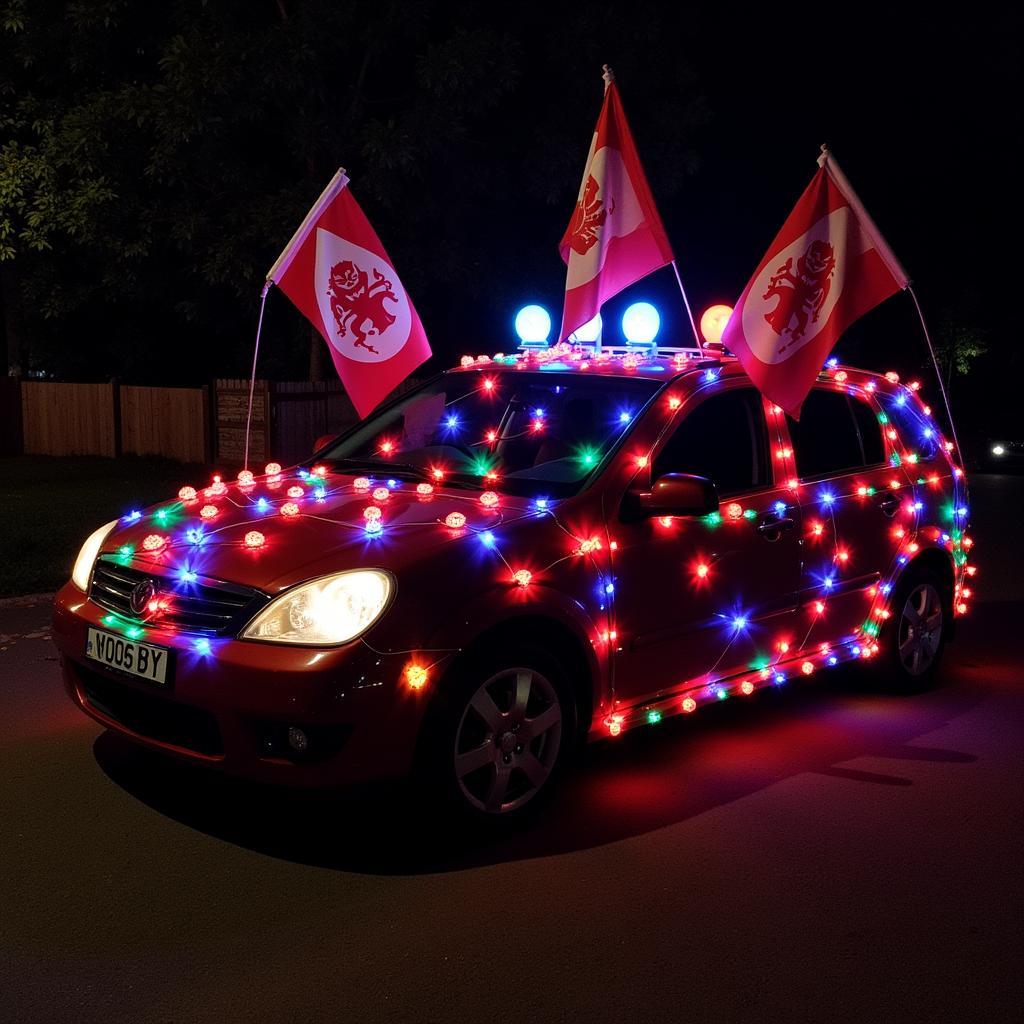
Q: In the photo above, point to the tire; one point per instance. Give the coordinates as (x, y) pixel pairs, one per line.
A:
(501, 734)
(915, 637)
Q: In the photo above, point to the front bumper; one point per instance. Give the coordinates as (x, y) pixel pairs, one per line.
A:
(231, 708)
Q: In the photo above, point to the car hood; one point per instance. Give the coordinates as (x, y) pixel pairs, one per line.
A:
(327, 534)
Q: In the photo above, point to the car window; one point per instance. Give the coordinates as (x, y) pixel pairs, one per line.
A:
(836, 434)
(535, 434)
(723, 439)
(870, 431)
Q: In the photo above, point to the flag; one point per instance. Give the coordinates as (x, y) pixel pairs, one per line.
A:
(827, 266)
(338, 274)
(615, 236)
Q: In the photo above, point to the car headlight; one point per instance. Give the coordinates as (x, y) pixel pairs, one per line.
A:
(330, 610)
(998, 449)
(87, 556)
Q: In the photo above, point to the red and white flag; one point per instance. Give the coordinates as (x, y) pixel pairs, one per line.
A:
(827, 266)
(615, 236)
(338, 274)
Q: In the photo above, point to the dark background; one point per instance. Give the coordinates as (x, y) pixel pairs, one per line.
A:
(156, 157)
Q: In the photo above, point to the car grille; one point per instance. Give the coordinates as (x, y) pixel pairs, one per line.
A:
(178, 725)
(210, 607)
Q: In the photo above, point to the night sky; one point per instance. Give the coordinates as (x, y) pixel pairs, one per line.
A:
(728, 108)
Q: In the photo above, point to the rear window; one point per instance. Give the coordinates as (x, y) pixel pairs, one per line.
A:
(836, 434)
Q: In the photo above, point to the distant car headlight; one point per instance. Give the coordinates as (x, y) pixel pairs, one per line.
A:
(87, 556)
(330, 610)
(998, 449)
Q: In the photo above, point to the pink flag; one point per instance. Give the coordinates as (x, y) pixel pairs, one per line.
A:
(615, 236)
(827, 266)
(338, 274)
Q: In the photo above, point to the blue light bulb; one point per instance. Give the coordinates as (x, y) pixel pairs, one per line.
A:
(533, 325)
(641, 323)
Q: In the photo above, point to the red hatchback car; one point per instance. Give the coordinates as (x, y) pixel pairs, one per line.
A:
(524, 553)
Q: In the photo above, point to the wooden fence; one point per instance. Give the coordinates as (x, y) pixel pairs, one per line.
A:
(204, 424)
(68, 419)
(166, 421)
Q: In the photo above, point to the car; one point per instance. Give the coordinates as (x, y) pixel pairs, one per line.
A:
(526, 553)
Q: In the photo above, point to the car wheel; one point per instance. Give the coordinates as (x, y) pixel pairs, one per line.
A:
(917, 632)
(503, 733)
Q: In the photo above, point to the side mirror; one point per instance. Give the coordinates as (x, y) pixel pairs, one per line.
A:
(674, 494)
(323, 441)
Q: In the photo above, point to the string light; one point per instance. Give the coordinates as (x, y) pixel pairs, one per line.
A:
(914, 531)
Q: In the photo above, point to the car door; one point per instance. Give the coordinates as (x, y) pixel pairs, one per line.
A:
(699, 598)
(851, 510)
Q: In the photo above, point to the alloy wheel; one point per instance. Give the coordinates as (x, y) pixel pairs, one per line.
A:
(920, 632)
(507, 740)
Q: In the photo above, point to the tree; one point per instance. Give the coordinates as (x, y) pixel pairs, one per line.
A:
(154, 158)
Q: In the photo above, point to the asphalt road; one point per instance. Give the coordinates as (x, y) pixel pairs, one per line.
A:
(827, 853)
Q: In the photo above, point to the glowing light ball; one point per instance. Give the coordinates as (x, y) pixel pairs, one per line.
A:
(208, 511)
(245, 478)
(533, 325)
(380, 494)
(154, 542)
(187, 494)
(289, 510)
(713, 321)
(489, 499)
(254, 539)
(590, 331)
(424, 489)
(641, 323)
(272, 469)
(455, 520)
(416, 677)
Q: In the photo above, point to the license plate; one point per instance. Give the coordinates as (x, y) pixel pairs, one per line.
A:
(141, 660)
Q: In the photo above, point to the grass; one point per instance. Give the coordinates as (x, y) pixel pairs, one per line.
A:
(50, 504)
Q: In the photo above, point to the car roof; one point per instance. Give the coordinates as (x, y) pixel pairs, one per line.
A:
(663, 364)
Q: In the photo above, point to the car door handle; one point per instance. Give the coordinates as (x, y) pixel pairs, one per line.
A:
(772, 526)
(889, 505)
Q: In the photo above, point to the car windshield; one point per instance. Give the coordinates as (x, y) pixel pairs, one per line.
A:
(532, 434)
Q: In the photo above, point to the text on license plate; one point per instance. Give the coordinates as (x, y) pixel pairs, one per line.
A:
(142, 660)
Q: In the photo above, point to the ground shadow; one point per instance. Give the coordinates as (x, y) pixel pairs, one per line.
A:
(646, 780)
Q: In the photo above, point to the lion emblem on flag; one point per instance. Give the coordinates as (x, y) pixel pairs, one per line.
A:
(802, 294)
(358, 304)
(588, 216)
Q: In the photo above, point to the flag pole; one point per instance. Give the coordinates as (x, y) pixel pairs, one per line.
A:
(938, 371)
(252, 375)
(281, 264)
(888, 257)
(689, 312)
(608, 76)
